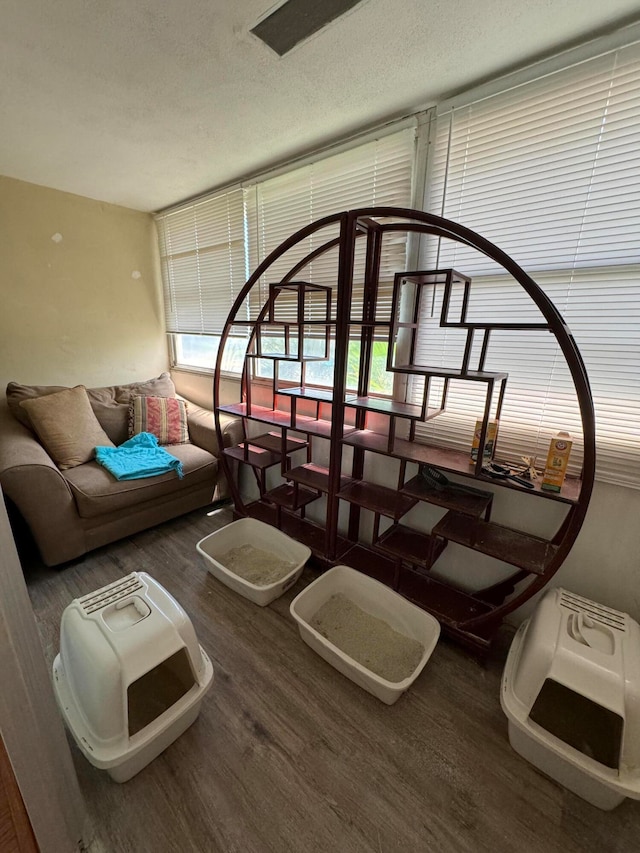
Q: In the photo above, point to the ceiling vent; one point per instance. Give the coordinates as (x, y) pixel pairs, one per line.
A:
(296, 20)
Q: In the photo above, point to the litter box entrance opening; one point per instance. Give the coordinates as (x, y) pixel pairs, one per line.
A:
(591, 729)
(158, 689)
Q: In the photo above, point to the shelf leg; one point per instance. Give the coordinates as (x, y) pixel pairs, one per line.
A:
(396, 575)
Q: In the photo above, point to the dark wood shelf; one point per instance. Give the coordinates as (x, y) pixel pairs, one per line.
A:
(276, 323)
(449, 460)
(371, 563)
(527, 552)
(273, 441)
(570, 493)
(313, 426)
(281, 356)
(277, 417)
(252, 455)
(466, 503)
(314, 477)
(410, 545)
(386, 407)
(288, 497)
(301, 529)
(449, 373)
(449, 605)
(454, 461)
(380, 499)
(320, 395)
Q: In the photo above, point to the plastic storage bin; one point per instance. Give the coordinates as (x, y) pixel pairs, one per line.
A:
(571, 693)
(377, 600)
(250, 531)
(130, 675)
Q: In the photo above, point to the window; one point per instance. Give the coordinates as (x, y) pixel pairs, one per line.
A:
(204, 267)
(208, 248)
(374, 174)
(550, 172)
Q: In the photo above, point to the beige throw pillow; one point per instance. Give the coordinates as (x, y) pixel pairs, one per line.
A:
(66, 426)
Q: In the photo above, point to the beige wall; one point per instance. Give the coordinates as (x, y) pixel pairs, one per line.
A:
(75, 310)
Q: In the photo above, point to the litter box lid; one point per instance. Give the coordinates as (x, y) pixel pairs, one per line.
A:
(575, 664)
(583, 645)
(112, 637)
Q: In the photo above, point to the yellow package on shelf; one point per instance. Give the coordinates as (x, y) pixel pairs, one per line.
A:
(490, 440)
(557, 461)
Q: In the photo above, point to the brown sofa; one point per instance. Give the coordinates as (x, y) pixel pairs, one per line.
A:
(72, 511)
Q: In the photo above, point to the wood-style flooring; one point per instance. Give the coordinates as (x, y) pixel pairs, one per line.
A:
(288, 756)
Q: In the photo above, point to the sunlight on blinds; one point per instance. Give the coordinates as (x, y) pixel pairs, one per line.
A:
(202, 253)
(550, 172)
(374, 174)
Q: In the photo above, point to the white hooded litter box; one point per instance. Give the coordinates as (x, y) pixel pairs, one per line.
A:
(380, 602)
(251, 531)
(130, 676)
(571, 693)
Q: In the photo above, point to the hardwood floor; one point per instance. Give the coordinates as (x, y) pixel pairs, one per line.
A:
(289, 756)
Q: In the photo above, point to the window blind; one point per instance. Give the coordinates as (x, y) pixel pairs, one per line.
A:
(376, 173)
(202, 253)
(550, 172)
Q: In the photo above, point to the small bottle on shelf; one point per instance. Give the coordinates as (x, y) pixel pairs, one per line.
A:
(557, 461)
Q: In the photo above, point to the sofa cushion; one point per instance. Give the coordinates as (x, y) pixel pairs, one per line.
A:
(164, 417)
(16, 393)
(110, 404)
(97, 493)
(66, 426)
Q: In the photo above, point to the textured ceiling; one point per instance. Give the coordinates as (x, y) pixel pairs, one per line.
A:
(144, 103)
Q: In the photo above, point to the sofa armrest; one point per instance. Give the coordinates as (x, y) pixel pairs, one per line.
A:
(32, 481)
(202, 429)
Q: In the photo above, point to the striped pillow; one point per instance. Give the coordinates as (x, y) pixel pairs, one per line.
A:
(164, 417)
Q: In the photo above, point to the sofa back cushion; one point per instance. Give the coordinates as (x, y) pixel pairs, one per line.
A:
(110, 405)
(66, 426)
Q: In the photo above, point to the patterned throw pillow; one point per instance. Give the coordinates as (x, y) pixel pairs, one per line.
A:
(164, 417)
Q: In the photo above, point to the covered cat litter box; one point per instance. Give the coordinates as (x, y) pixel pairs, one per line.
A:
(276, 547)
(571, 693)
(412, 632)
(130, 676)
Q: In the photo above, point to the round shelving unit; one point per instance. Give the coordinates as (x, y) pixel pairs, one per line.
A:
(292, 322)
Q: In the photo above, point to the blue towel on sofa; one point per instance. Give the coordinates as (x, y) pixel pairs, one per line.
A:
(138, 457)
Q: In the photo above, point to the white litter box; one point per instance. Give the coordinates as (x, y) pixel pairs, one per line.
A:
(379, 601)
(571, 692)
(130, 676)
(250, 531)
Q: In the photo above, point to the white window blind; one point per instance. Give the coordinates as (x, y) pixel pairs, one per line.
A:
(550, 172)
(202, 252)
(376, 173)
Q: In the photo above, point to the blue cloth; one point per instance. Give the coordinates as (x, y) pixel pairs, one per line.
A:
(138, 457)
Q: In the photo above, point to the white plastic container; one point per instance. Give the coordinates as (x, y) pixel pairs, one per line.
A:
(379, 601)
(250, 531)
(130, 676)
(571, 693)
